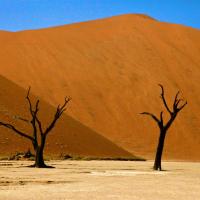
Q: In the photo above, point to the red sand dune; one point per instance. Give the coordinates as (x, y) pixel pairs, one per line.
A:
(69, 136)
(111, 68)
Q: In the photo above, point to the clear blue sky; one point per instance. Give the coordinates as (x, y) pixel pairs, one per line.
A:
(32, 14)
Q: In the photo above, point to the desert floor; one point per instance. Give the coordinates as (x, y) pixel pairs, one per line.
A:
(100, 180)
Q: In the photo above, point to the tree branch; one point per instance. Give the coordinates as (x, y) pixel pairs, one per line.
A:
(29, 101)
(59, 112)
(161, 118)
(39, 125)
(164, 100)
(176, 101)
(179, 109)
(9, 126)
(21, 118)
(33, 113)
(153, 117)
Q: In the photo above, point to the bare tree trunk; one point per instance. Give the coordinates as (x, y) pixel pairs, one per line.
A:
(158, 158)
(39, 159)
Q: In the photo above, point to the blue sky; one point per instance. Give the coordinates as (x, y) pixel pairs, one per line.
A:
(33, 14)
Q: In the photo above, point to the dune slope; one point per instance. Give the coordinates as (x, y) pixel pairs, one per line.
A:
(111, 68)
(69, 136)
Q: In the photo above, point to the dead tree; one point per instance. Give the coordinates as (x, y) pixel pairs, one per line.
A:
(165, 126)
(39, 135)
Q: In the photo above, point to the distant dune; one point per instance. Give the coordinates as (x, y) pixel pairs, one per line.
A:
(111, 68)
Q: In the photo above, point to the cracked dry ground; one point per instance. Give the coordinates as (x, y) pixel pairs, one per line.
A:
(99, 180)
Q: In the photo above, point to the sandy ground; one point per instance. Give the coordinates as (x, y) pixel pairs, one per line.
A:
(100, 180)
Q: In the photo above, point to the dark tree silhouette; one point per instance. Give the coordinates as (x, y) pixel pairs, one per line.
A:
(165, 126)
(39, 135)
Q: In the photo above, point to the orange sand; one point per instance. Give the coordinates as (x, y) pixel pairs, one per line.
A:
(111, 68)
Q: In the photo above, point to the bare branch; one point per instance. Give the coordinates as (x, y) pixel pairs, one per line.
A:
(29, 101)
(37, 106)
(176, 101)
(161, 118)
(9, 126)
(62, 109)
(59, 112)
(28, 92)
(39, 125)
(179, 109)
(21, 118)
(164, 100)
(176, 97)
(153, 116)
(33, 113)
